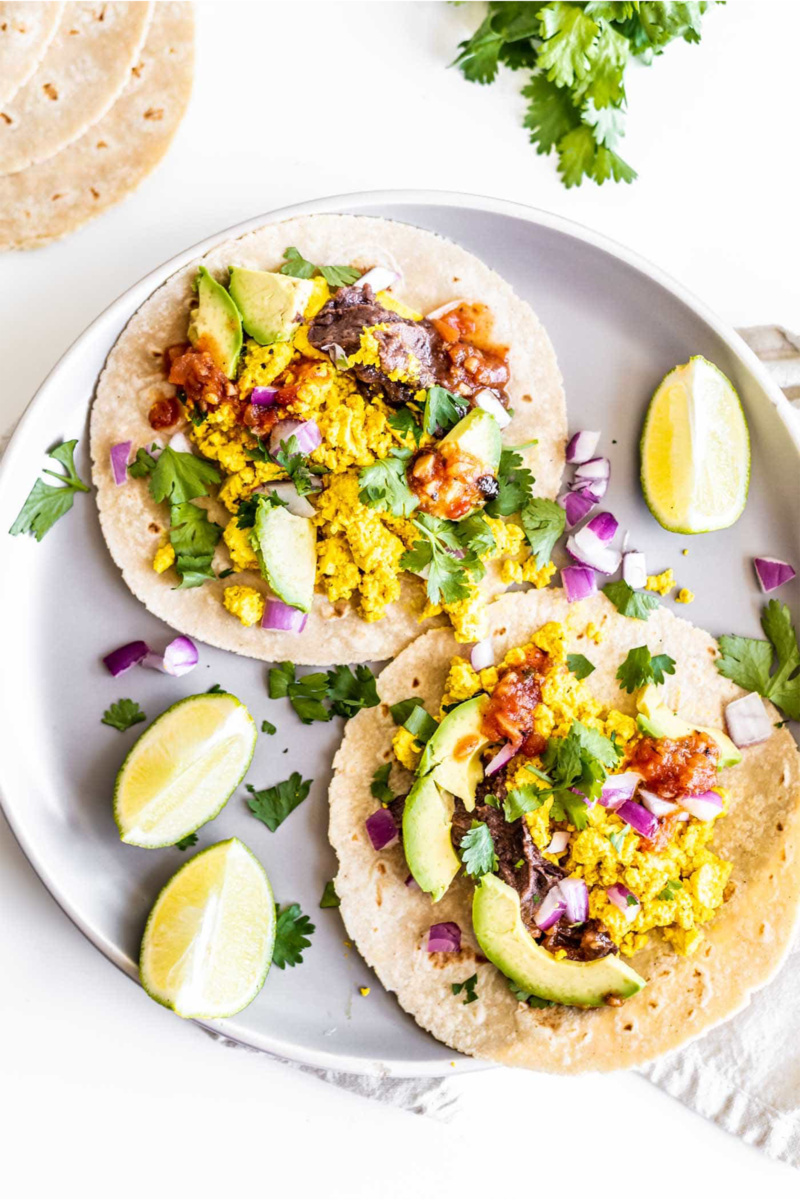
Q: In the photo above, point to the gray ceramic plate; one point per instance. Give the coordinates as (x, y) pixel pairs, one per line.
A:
(618, 326)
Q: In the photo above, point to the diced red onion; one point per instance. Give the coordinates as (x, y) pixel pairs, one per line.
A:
(605, 526)
(307, 434)
(490, 404)
(582, 445)
(596, 488)
(444, 938)
(552, 907)
(264, 397)
(634, 569)
(577, 505)
(443, 310)
(155, 448)
(285, 490)
(619, 788)
(337, 355)
(558, 842)
(120, 453)
(579, 583)
(379, 279)
(127, 656)
(179, 657)
(624, 899)
(591, 551)
(773, 572)
(638, 818)
(482, 655)
(706, 806)
(501, 758)
(278, 615)
(576, 898)
(412, 884)
(593, 468)
(654, 803)
(747, 720)
(180, 443)
(381, 828)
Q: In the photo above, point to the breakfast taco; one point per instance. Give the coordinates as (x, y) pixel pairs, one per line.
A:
(325, 433)
(551, 851)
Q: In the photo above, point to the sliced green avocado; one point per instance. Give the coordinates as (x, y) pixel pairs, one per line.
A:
(505, 941)
(427, 818)
(286, 547)
(453, 754)
(658, 721)
(215, 322)
(271, 305)
(478, 434)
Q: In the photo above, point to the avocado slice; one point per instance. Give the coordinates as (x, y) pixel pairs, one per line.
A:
(427, 817)
(214, 323)
(478, 434)
(286, 547)
(272, 305)
(505, 941)
(658, 721)
(453, 755)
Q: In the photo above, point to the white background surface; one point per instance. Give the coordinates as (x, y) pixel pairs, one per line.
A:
(102, 1093)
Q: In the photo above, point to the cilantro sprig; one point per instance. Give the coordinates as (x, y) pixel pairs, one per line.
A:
(443, 410)
(122, 714)
(468, 987)
(543, 523)
(449, 554)
(384, 484)
(637, 605)
(273, 805)
(578, 55)
(301, 268)
(514, 484)
(187, 842)
(292, 936)
(346, 692)
(379, 787)
(640, 668)
(749, 661)
(479, 856)
(575, 768)
(579, 665)
(46, 504)
(329, 898)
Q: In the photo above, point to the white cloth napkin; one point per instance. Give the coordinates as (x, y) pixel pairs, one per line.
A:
(745, 1075)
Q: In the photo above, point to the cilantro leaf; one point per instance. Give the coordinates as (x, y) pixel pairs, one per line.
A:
(307, 696)
(179, 476)
(349, 693)
(122, 714)
(295, 464)
(443, 410)
(186, 842)
(528, 997)
(301, 268)
(748, 661)
(194, 538)
(272, 805)
(514, 483)
(142, 464)
(46, 504)
(380, 784)
(479, 855)
(292, 934)
(543, 523)
(579, 665)
(384, 484)
(404, 422)
(668, 892)
(402, 709)
(468, 987)
(329, 897)
(268, 727)
(521, 800)
(640, 668)
(478, 55)
(636, 605)
(475, 534)
(216, 689)
(569, 34)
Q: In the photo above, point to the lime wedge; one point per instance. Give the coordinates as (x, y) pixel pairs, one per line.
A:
(182, 769)
(695, 450)
(208, 942)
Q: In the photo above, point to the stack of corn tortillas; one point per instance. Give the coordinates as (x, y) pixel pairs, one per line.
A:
(91, 94)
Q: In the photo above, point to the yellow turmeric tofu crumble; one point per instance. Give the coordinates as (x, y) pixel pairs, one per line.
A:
(386, 445)
(676, 883)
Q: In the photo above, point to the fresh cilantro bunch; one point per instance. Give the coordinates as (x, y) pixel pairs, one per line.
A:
(577, 55)
(448, 555)
(640, 668)
(46, 504)
(748, 661)
(575, 768)
(179, 478)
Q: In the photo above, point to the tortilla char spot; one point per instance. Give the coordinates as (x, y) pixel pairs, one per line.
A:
(415, 683)
(527, 399)
(381, 868)
(628, 1028)
(779, 827)
(50, 91)
(154, 528)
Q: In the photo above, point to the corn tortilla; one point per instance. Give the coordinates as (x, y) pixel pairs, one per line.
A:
(26, 30)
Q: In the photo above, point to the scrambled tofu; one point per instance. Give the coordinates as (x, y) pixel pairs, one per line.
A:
(680, 887)
(164, 558)
(245, 603)
(684, 596)
(662, 583)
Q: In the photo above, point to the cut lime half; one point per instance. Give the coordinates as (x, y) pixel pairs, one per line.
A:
(208, 942)
(695, 450)
(182, 770)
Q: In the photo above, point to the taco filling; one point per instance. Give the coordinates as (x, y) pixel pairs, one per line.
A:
(583, 829)
(353, 441)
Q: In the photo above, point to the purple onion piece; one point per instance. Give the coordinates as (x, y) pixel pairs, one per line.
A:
(595, 468)
(264, 397)
(379, 278)
(773, 572)
(501, 758)
(624, 899)
(120, 453)
(444, 938)
(482, 655)
(654, 803)
(579, 583)
(619, 788)
(747, 720)
(705, 806)
(412, 884)
(604, 526)
(577, 505)
(381, 828)
(278, 615)
(121, 660)
(582, 445)
(575, 895)
(552, 907)
(588, 550)
(639, 819)
(307, 434)
(634, 569)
